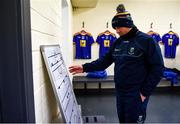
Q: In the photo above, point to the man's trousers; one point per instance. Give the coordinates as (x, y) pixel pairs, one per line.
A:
(130, 107)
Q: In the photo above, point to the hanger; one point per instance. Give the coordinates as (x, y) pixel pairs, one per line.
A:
(83, 31)
(150, 32)
(107, 32)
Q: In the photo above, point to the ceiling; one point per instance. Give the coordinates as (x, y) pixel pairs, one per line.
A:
(84, 3)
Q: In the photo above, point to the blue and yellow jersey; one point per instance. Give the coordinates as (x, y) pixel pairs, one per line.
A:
(105, 41)
(83, 44)
(155, 36)
(170, 41)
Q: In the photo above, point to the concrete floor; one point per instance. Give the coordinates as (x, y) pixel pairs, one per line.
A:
(163, 107)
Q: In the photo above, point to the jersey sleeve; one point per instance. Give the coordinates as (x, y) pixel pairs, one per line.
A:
(98, 39)
(114, 38)
(163, 38)
(91, 40)
(177, 40)
(158, 38)
(74, 39)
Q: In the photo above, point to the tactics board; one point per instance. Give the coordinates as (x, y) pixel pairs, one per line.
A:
(61, 84)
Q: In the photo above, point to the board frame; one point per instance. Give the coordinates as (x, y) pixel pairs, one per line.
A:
(64, 117)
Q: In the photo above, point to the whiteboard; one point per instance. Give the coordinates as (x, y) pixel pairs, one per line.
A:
(61, 84)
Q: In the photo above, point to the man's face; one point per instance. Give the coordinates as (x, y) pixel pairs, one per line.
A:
(122, 30)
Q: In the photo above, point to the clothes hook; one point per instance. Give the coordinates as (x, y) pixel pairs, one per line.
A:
(83, 24)
(151, 25)
(170, 25)
(107, 25)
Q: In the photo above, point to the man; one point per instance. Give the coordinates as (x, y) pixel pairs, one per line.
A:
(138, 67)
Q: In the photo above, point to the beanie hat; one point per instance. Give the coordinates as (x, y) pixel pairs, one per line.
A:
(122, 18)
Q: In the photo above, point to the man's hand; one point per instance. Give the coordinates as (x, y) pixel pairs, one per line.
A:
(142, 97)
(76, 69)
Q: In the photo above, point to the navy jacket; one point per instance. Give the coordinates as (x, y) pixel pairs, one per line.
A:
(138, 63)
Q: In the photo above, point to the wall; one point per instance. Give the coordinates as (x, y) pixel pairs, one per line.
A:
(160, 12)
(46, 28)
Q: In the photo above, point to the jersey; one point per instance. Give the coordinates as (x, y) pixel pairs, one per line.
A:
(105, 41)
(170, 41)
(155, 36)
(83, 44)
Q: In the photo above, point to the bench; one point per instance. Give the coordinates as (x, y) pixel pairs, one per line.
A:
(109, 79)
(85, 80)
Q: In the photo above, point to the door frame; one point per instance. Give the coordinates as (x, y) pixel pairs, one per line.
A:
(16, 80)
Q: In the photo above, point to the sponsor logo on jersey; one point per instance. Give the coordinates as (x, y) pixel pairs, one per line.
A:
(106, 43)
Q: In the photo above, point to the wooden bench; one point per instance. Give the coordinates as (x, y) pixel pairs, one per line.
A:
(85, 80)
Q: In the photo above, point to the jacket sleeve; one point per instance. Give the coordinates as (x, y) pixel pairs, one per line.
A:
(155, 66)
(100, 64)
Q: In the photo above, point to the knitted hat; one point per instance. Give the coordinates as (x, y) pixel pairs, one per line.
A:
(122, 18)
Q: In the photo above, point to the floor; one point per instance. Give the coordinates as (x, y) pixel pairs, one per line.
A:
(163, 107)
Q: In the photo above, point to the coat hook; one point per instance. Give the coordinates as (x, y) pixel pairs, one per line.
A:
(151, 25)
(83, 24)
(107, 25)
(170, 25)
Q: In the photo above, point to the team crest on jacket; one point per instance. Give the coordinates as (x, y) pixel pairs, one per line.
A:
(131, 51)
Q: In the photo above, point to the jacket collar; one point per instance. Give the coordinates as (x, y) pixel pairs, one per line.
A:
(130, 34)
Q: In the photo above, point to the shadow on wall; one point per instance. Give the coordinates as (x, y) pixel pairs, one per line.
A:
(77, 10)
